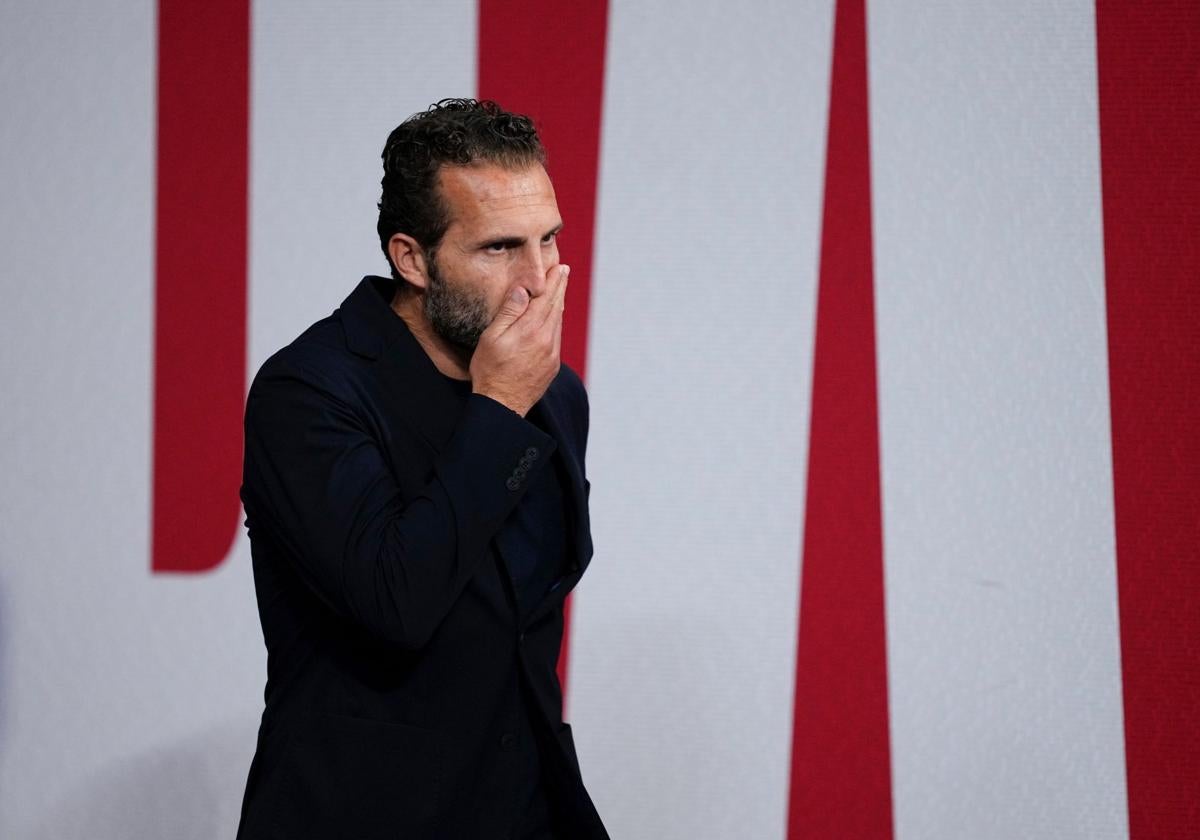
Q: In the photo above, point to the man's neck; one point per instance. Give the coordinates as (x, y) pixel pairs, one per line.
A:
(449, 359)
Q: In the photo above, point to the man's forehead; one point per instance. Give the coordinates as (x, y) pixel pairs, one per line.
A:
(488, 189)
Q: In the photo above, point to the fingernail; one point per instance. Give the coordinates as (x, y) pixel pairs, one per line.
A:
(566, 270)
(517, 295)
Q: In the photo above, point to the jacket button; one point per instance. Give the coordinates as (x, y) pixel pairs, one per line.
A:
(531, 452)
(507, 740)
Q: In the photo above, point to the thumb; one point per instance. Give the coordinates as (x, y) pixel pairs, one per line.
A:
(515, 304)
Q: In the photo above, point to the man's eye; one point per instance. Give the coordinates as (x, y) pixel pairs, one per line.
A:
(549, 238)
(497, 247)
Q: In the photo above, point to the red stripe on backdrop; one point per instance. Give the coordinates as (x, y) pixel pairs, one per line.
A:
(200, 280)
(546, 59)
(1149, 73)
(841, 775)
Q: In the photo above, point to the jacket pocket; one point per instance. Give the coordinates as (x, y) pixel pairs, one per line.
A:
(354, 777)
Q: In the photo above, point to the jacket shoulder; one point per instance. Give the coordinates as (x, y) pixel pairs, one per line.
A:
(319, 355)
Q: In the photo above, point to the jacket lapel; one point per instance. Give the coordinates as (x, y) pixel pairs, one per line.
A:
(575, 492)
(416, 391)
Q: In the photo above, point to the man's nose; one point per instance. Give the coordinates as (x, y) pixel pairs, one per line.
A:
(533, 271)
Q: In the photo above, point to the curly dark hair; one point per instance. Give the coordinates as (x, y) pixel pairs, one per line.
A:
(452, 132)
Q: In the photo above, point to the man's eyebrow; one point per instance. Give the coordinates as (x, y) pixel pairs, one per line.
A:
(514, 241)
(506, 241)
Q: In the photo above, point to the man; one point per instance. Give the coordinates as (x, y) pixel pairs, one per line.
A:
(417, 509)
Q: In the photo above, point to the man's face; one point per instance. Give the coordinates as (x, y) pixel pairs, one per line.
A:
(503, 233)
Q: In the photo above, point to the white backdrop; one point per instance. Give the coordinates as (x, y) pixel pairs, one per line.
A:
(129, 702)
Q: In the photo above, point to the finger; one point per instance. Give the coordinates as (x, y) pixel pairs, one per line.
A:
(554, 322)
(556, 325)
(557, 293)
(514, 306)
(543, 304)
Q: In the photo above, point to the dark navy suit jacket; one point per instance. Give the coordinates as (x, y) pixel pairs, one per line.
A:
(400, 671)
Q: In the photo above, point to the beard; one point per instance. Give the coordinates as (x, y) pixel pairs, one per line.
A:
(456, 314)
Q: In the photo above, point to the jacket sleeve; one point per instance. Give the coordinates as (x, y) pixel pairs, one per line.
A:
(316, 478)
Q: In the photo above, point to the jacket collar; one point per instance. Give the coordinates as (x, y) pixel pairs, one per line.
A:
(374, 331)
(370, 324)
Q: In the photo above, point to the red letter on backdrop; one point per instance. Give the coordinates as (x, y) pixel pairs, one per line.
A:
(1148, 57)
(523, 50)
(841, 771)
(200, 280)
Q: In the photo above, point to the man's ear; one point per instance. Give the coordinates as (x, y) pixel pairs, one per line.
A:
(409, 259)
